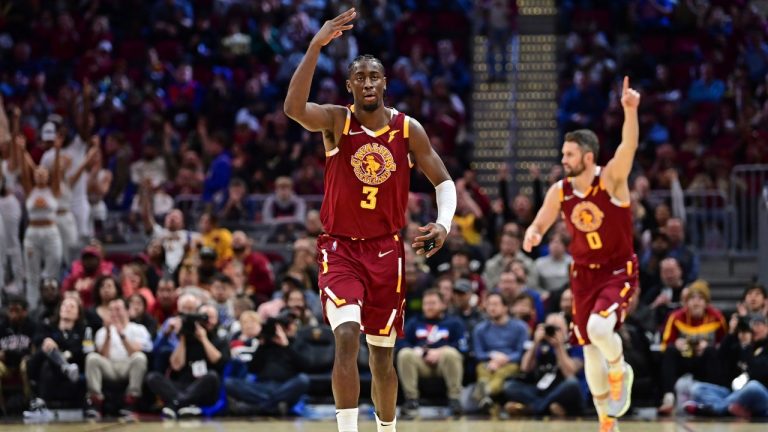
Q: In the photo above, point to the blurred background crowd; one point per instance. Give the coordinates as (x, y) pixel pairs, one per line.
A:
(159, 210)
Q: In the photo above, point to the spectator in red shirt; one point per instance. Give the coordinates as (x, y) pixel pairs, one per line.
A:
(260, 281)
(690, 337)
(84, 272)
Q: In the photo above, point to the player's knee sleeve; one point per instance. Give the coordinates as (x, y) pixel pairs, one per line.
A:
(600, 328)
(339, 315)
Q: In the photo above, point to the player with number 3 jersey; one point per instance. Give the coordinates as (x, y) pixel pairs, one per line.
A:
(370, 149)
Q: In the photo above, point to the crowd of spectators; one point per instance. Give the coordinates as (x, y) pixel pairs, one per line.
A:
(201, 319)
(701, 67)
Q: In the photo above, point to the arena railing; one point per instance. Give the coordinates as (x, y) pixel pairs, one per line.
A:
(747, 183)
(708, 218)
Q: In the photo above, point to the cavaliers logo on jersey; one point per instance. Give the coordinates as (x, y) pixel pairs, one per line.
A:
(373, 164)
(587, 217)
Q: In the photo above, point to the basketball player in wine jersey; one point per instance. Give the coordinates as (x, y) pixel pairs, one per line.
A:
(594, 202)
(370, 149)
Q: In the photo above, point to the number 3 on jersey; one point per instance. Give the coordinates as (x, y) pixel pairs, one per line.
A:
(370, 200)
(594, 240)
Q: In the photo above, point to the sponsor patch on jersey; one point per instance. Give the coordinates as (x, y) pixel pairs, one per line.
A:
(373, 164)
(587, 217)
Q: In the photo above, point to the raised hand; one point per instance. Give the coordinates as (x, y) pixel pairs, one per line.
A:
(630, 98)
(334, 28)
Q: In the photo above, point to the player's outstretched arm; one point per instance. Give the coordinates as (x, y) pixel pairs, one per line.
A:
(432, 166)
(312, 116)
(544, 218)
(617, 170)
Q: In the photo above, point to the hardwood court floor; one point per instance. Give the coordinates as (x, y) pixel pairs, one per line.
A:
(411, 426)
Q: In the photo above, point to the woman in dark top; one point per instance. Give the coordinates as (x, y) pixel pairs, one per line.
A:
(137, 312)
(57, 365)
(105, 289)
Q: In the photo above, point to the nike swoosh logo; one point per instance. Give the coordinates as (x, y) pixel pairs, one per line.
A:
(355, 133)
(382, 255)
(568, 197)
(619, 271)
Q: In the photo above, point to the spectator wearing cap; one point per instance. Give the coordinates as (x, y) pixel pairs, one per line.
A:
(464, 305)
(284, 205)
(749, 397)
(690, 337)
(215, 237)
(498, 347)
(260, 280)
(85, 271)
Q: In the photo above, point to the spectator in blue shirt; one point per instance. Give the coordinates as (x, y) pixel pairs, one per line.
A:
(431, 348)
(220, 170)
(498, 343)
(707, 88)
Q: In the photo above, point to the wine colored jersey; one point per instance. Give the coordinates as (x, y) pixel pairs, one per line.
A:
(600, 225)
(367, 178)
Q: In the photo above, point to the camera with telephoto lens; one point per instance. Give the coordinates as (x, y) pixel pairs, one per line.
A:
(188, 322)
(550, 330)
(284, 318)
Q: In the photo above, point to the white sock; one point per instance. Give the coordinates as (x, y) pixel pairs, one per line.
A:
(346, 419)
(595, 370)
(382, 426)
(600, 406)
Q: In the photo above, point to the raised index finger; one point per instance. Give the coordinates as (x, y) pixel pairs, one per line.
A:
(626, 84)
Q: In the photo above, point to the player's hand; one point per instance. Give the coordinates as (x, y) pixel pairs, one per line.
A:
(434, 232)
(531, 240)
(630, 98)
(334, 28)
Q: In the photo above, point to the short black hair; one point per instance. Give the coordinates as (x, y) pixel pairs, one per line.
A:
(586, 139)
(503, 299)
(15, 299)
(224, 279)
(362, 58)
(752, 287)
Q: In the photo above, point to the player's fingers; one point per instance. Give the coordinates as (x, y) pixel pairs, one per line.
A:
(626, 84)
(417, 244)
(424, 228)
(347, 27)
(429, 236)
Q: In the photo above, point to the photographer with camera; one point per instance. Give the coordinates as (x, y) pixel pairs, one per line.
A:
(554, 381)
(747, 395)
(278, 367)
(195, 363)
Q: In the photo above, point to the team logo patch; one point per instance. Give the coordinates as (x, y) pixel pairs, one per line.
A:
(373, 164)
(587, 217)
